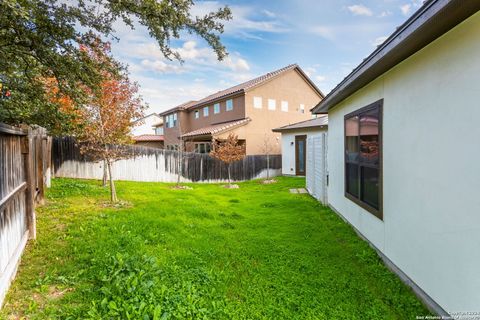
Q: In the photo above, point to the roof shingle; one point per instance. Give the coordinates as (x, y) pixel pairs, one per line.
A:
(217, 128)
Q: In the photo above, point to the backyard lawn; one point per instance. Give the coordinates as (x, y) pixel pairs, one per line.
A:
(257, 252)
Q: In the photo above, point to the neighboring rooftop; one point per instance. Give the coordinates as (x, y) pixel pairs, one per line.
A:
(243, 87)
(182, 106)
(432, 20)
(217, 128)
(148, 138)
(319, 122)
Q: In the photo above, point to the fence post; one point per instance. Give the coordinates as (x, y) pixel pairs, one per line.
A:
(29, 192)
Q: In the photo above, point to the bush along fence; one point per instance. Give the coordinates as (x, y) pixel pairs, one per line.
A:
(24, 167)
(158, 165)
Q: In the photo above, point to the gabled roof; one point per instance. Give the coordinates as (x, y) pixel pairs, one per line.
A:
(217, 128)
(182, 106)
(432, 20)
(148, 137)
(319, 123)
(243, 87)
(147, 116)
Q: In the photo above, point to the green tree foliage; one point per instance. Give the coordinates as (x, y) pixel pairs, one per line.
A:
(42, 38)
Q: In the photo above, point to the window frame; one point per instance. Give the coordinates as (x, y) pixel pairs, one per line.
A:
(227, 103)
(284, 106)
(301, 108)
(197, 114)
(257, 102)
(215, 110)
(207, 109)
(357, 200)
(273, 105)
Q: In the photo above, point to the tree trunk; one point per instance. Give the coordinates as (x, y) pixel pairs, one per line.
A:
(105, 174)
(268, 166)
(229, 177)
(113, 191)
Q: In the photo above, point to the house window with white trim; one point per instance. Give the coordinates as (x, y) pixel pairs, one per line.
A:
(229, 104)
(257, 102)
(272, 104)
(284, 106)
(205, 111)
(197, 114)
(216, 108)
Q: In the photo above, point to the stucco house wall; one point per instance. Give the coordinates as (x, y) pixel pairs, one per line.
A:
(431, 167)
(290, 87)
(288, 147)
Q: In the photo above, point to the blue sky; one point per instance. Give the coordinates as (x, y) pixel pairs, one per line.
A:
(327, 38)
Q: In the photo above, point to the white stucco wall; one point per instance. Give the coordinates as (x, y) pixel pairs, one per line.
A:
(146, 127)
(288, 147)
(431, 167)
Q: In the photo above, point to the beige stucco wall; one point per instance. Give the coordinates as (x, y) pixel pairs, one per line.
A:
(290, 87)
(431, 171)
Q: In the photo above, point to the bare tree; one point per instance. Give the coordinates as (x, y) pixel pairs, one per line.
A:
(269, 146)
(228, 151)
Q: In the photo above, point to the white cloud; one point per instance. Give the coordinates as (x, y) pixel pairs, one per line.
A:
(378, 41)
(360, 10)
(384, 14)
(324, 32)
(245, 22)
(320, 78)
(269, 13)
(161, 67)
(407, 8)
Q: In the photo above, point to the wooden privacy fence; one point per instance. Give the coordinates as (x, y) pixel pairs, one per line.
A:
(24, 162)
(158, 165)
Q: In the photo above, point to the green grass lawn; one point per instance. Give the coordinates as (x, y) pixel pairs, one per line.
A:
(257, 252)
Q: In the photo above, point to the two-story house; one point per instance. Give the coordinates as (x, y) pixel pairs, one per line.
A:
(249, 110)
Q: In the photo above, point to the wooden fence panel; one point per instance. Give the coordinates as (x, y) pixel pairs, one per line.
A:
(157, 165)
(21, 165)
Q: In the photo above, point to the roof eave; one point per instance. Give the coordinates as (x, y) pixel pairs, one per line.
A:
(431, 21)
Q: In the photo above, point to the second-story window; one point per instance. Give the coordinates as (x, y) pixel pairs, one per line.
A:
(272, 104)
(229, 105)
(171, 120)
(257, 102)
(205, 111)
(284, 106)
(197, 114)
(216, 108)
(302, 108)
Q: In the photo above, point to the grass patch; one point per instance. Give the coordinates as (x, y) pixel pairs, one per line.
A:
(257, 252)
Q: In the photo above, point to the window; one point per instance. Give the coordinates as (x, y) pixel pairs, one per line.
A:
(272, 104)
(302, 108)
(229, 105)
(203, 147)
(159, 131)
(171, 120)
(257, 102)
(216, 108)
(363, 176)
(197, 114)
(284, 106)
(205, 111)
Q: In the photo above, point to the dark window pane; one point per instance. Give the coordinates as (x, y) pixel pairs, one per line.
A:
(369, 143)
(352, 179)
(351, 141)
(370, 186)
(301, 155)
(202, 147)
